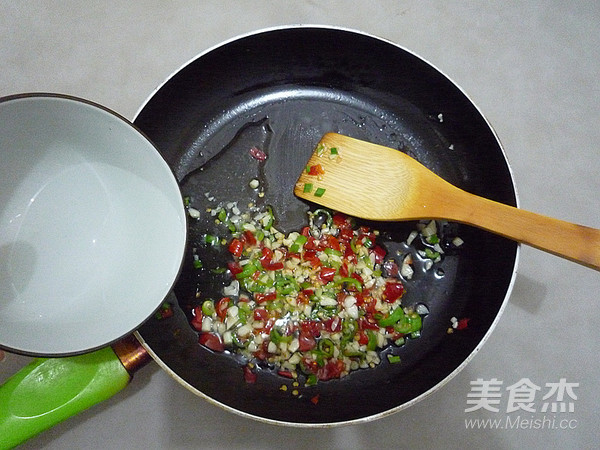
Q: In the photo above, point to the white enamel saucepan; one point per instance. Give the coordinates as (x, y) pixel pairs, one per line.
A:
(92, 237)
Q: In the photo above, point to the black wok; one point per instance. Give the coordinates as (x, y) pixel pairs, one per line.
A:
(281, 90)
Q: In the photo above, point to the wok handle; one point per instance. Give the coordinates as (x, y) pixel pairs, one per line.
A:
(50, 390)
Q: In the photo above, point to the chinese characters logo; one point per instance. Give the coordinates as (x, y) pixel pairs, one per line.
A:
(555, 398)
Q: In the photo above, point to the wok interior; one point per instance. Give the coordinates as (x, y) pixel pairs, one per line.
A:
(281, 90)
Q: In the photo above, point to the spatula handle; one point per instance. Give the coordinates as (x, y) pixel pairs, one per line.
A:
(577, 243)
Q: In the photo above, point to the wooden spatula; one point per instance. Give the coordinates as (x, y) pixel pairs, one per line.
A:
(374, 182)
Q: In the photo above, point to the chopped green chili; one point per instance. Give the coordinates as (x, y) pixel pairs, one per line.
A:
(353, 245)
(409, 323)
(350, 281)
(327, 347)
(237, 342)
(349, 327)
(331, 251)
(286, 285)
(372, 344)
(277, 337)
(208, 308)
(319, 192)
(394, 317)
(326, 213)
(299, 242)
(259, 235)
(270, 220)
(247, 271)
(353, 353)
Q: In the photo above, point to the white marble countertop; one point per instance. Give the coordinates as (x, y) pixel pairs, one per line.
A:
(531, 67)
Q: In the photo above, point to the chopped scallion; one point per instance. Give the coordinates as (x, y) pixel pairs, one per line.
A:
(311, 379)
(211, 240)
(393, 359)
(433, 239)
(431, 254)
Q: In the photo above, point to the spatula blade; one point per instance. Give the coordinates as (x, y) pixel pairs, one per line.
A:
(357, 178)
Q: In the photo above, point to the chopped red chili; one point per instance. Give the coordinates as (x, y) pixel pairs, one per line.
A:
(316, 170)
(258, 154)
(463, 323)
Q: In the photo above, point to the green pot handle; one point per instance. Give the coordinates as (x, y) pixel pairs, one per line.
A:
(50, 390)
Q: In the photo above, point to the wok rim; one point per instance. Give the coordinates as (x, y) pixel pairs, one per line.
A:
(482, 341)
